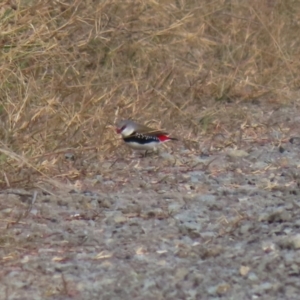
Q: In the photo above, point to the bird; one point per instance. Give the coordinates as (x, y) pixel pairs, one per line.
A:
(141, 137)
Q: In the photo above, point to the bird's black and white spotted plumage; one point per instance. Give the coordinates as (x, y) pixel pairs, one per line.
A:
(141, 141)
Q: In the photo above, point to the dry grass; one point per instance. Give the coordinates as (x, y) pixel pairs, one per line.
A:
(69, 69)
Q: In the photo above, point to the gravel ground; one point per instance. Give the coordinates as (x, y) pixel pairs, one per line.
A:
(220, 225)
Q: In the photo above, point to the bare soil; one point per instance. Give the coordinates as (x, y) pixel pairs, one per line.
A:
(220, 223)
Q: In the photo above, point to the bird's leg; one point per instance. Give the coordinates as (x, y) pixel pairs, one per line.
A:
(151, 152)
(142, 154)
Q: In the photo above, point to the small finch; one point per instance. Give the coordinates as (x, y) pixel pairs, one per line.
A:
(141, 137)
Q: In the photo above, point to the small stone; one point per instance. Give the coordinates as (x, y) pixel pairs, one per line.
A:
(104, 203)
(263, 287)
(106, 165)
(211, 199)
(212, 290)
(244, 270)
(194, 179)
(237, 153)
(292, 242)
(109, 182)
(294, 270)
(180, 274)
(253, 277)
(243, 199)
(208, 234)
(279, 216)
(220, 289)
(245, 228)
(99, 178)
(167, 156)
(268, 247)
(161, 191)
(223, 288)
(174, 207)
(263, 217)
(120, 219)
(289, 206)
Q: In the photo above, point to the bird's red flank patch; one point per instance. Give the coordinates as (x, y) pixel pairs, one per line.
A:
(163, 138)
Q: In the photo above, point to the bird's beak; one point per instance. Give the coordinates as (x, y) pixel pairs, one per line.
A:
(118, 130)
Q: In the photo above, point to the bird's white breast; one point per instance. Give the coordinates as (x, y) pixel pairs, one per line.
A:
(137, 146)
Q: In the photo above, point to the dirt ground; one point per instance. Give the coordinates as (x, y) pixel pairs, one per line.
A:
(212, 216)
(184, 224)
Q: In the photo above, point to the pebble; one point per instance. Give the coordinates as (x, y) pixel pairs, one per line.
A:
(237, 153)
(120, 219)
